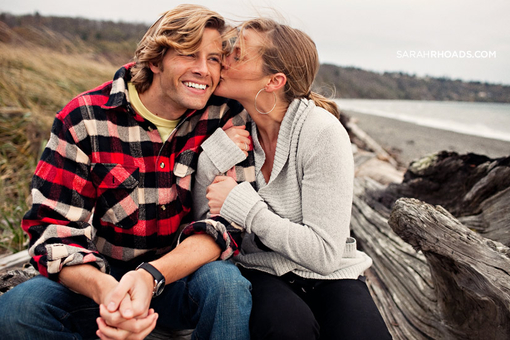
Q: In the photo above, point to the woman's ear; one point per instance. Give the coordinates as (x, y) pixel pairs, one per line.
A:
(276, 82)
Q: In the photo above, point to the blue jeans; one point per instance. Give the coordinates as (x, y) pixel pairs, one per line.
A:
(215, 301)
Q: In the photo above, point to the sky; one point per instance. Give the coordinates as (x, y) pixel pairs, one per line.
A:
(457, 39)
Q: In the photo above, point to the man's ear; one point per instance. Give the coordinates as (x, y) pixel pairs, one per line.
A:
(276, 82)
(154, 68)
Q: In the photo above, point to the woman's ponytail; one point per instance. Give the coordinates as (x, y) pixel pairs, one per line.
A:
(325, 103)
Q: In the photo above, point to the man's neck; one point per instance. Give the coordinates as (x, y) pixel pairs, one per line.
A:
(156, 106)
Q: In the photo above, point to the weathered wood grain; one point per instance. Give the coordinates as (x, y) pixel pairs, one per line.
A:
(445, 288)
(459, 183)
(399, 278)
(14, 260)
(471, 274)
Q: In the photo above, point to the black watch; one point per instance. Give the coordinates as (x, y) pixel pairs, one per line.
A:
(159, 279)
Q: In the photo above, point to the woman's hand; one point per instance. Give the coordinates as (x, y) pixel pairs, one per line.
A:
(218, 191)
(240, 136)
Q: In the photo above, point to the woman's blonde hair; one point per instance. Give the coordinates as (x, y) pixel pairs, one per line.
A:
(293, 53)
(179, 29)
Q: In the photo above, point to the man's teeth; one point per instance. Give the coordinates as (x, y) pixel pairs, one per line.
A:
(195, 85)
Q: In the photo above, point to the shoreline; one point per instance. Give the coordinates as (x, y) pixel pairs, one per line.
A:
(407, 141)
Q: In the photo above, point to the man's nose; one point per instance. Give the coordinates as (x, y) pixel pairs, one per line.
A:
(201, 66)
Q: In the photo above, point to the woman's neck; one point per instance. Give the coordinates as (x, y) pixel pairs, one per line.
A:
(268, 128)
(267, 133)
(268, 125)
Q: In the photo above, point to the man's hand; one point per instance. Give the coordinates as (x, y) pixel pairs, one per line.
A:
(125, 311)
(218, 191)
(131, 329)
(240, 137)
(124, 305)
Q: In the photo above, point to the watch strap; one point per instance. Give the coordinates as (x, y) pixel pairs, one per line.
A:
(159, 279)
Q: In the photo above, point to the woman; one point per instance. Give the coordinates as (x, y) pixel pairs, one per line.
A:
(297, 253)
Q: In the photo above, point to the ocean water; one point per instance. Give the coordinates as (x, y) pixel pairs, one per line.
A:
(490, 120)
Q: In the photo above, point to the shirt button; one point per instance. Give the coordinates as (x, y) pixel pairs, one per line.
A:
(163, 207)
(162, 165)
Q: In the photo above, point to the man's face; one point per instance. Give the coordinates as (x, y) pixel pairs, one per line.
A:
(184, 82)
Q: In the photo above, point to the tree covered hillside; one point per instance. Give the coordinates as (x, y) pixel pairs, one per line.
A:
(352, 82)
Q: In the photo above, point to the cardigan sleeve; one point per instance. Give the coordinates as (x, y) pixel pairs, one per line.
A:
(219, 155)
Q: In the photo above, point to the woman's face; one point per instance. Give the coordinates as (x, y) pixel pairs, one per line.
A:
(242, 76)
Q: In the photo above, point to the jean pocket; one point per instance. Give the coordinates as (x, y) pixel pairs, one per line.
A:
(117, 194)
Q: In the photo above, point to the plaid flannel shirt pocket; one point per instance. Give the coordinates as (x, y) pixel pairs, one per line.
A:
(117, 192)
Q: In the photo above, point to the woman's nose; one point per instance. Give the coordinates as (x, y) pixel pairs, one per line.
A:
(228, 61)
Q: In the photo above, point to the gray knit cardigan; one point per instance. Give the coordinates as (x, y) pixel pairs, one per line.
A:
(303, 213)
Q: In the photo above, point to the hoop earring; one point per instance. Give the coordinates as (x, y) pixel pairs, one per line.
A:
(256, 108)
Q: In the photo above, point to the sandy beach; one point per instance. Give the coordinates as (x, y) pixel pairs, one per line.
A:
(409, 141)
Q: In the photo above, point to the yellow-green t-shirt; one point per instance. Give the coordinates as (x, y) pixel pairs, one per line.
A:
(165, 126)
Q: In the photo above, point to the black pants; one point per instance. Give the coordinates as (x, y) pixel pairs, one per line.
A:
(290, 307)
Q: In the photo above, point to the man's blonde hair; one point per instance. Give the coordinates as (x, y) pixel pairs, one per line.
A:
(180, 29)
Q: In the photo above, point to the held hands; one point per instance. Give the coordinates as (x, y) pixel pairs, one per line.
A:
(218, 191)
(240, 137)
(124, 310)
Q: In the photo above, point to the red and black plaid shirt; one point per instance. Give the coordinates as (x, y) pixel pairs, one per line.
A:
(107, 187)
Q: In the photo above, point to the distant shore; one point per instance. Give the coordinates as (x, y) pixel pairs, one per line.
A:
(409, 141)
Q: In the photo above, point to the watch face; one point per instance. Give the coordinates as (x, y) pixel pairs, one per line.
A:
(159, 288)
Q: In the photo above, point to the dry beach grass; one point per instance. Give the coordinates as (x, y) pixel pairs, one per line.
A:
(35, 82)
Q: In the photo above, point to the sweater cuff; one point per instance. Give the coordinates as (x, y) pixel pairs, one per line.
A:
(222, 151)
(240, 201)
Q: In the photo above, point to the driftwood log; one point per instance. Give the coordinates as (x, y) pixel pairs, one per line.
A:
(471, 187)
(433, 276)
(471, 274)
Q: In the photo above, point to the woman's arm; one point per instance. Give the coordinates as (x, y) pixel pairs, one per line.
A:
(221, 151)
(316, 243)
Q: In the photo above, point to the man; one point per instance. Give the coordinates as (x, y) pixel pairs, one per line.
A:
(113, 188)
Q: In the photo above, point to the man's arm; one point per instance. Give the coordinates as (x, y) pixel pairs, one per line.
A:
(187, 257)
(124, 306)
(63, 198)
(87, 280)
